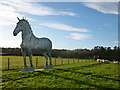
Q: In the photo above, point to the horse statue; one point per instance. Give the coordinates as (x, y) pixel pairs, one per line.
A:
(31, 43)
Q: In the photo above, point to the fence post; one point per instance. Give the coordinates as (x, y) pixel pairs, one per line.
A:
(55, 61)
(73, 60)
(8, 63)
(68, 60)
(36, 62)
(62, 61)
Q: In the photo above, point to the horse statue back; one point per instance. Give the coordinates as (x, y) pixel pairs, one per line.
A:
(31, 43)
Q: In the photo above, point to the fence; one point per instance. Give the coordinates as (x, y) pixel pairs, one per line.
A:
(16, 62)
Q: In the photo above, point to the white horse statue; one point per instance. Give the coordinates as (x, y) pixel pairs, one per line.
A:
(31, 43)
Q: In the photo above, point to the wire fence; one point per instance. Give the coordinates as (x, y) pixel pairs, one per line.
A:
(16, 62)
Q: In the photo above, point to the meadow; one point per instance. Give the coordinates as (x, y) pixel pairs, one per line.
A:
(75, 74)
(16, 62)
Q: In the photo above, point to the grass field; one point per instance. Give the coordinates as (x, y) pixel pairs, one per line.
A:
(16, 62)
(85, 74)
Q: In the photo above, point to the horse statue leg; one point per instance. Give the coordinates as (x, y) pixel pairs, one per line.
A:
(46, 57)
(24, 57)
(31, 65)
(50, 57)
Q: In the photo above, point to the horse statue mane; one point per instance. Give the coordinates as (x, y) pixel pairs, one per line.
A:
(31, 43)
(24, 19)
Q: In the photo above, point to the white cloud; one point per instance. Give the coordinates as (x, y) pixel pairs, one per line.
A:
(7, 15)
(107, 25)
(10, 43)
(78, 36)
(104, 7)
(64, 27)
(11, 9)
(34, 8)
(116, 41)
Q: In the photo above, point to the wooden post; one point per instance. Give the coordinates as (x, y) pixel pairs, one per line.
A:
(62, 61)
(55, 61)
(73, 60)
(36, 62)
(8, 63)
(68, 60)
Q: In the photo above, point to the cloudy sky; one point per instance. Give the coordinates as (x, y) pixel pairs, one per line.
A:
(70, 25)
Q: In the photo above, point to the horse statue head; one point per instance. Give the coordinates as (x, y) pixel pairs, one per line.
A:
(21, 25)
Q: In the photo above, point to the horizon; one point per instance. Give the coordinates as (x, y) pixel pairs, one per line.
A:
(67, 49)
(69, 25)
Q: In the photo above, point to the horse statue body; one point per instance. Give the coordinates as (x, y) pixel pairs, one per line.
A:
(31, 43)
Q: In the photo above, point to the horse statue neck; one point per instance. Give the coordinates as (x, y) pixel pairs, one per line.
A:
(26, 32)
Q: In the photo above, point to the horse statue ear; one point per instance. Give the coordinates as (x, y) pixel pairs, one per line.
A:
(18, 18)
(24, 18)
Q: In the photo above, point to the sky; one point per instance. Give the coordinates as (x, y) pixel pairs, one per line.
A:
(69, 25)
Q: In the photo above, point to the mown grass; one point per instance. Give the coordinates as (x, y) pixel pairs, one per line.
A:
(88, 74)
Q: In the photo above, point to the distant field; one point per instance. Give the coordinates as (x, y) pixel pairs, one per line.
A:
(82, 74)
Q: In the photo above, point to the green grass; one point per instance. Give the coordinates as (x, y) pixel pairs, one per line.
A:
(89, 74)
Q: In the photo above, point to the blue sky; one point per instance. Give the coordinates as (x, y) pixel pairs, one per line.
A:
(70, 25)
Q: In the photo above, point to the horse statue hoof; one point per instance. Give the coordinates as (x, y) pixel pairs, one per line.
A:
(51, 67)
(24, 69)
(46, 67)
(31, 69)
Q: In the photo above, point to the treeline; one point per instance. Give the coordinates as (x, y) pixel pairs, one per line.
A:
(96, 52)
